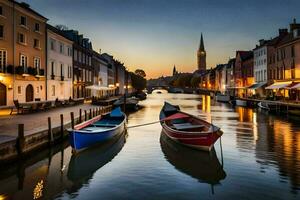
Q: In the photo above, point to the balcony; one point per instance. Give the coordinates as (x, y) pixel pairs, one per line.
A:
(7, 69)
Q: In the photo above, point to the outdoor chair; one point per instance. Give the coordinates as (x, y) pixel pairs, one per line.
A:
(21, 108)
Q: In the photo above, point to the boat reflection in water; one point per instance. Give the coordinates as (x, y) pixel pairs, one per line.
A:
(82, 166)
(203, 166)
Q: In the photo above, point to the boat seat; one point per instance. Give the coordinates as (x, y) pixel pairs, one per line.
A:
(104, 125)
(185, 126)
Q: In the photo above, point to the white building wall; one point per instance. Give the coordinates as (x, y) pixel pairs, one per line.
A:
(59, 53)
(260, 64)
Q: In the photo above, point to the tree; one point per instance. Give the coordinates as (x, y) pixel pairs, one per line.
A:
(138, 82)
(140, 72)
(62, 27)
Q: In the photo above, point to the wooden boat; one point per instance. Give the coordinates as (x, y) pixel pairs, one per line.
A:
(223, 98)
(203, 166)
(241, 102)
(267, 106)
(187, 129)
(131, 103)
(97, 130)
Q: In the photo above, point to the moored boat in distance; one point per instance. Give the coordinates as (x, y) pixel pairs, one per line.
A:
(241, 102)
(131, 103)
(223, 98)
(97, 130)
(267, 106)
(187, 129)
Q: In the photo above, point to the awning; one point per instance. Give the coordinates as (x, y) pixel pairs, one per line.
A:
(257, 85)
(96, 87)
(296, 86)
(279, 85)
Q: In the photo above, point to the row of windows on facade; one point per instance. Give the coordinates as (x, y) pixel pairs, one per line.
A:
(281, 54)
(83, 75)
(20, 89)
(61, 50)
(260, 62)
(261, 75)
(61, 71)
(82, 57)
(23, 60)
(260, 53)
(23, 21)
(280, 74)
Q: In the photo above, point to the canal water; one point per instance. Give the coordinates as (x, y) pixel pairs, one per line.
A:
(258, 157)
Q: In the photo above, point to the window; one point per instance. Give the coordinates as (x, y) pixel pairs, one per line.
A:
(61, 70)
(61, 48)
(1, 10)
(37, 27)
(69, 51)
(36, 43)
(52, 45)
(19, 90)
(37, 63)
(53, 90)
(23, 60)
(52, 68)
(23, 21)
(69, 72)
(293, 51)
(22, 38)
(37, 89)
(3, 59)
(75, 55)
(1, 31)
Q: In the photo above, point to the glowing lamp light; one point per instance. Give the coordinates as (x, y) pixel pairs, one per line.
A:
(9, 86)
(117, 84)
(1, 78)
(111, 85)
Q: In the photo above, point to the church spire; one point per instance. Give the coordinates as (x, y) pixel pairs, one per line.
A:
(201, 47)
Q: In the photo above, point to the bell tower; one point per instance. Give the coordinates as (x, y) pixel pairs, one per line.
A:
(201, 56)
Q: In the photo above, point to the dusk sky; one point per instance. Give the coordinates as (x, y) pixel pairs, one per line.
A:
(156, 34)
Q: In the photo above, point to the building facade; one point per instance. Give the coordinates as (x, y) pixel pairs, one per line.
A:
(82, 64)
(59, 65)
(22, 53)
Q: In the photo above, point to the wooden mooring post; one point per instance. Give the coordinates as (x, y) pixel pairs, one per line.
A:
(85, 115)
(20, 140)
(50, 133)
(80, 113)
(90, 113)
(61, 126)
(72, 120)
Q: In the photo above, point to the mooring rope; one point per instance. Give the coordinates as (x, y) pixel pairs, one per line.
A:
(146, 124)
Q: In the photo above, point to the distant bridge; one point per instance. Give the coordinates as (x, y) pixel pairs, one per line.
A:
(154, 87)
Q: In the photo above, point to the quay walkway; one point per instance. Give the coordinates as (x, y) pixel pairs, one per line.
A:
(35, 122)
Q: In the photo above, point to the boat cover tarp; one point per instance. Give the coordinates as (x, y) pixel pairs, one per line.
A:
(116, 112)
(176, 116)
(256, 85)
(278, 85)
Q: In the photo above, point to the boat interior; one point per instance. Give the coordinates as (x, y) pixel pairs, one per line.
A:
(187, 124)
(107, 122)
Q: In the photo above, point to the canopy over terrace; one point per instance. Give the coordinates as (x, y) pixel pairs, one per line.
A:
(257, 85)
(100, 91)
(279, 85)
(296, 86)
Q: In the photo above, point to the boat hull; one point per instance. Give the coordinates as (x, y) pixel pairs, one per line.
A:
(203, 142)
(240, 102)
(197, 140)
(223, 98)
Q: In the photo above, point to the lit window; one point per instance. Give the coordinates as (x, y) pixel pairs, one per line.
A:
(53, 90)
(19, 90)
(37, 63)
(23, 60)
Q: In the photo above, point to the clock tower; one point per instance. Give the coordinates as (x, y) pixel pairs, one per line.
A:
(201, 56)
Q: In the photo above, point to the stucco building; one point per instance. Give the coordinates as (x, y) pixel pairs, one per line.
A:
(59, 65)
(22, 53)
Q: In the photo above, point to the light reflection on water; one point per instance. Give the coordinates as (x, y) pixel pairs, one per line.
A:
(261, 157)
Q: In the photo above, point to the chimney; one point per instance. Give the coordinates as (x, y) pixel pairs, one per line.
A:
(294, 25)
(283, 31)
(261, 42)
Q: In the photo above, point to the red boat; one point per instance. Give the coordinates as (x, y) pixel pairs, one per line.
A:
(187, 129)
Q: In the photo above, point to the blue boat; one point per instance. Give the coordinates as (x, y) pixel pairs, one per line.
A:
(97, 130)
